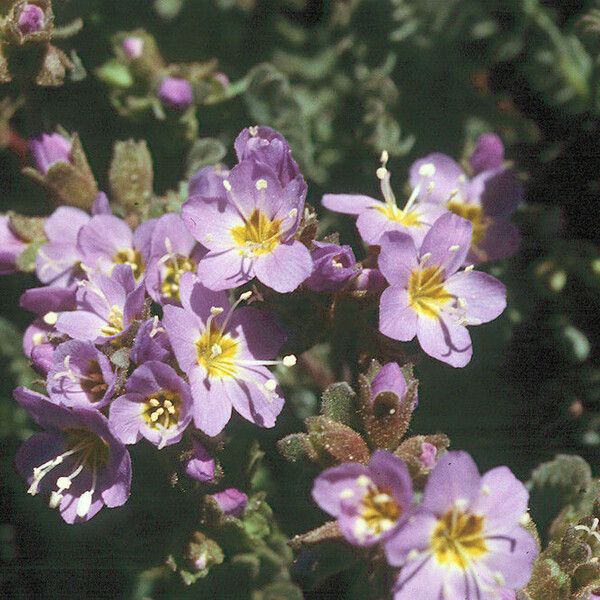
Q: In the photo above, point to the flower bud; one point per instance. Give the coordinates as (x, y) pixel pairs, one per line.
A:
(369, 280)
(49, 148)
(488, 153)
(133, 47)
(176, 93)
(11, 246)
(231, 501)
(41, 358)
(201, 466)
(31, 19)
(333, 266)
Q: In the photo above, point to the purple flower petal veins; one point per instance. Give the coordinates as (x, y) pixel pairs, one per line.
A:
(225, 351)
(156, 405)
(466, 540)
(375, 218)
(248, 227)
(77, 460)
(428, 298)
(370, 502)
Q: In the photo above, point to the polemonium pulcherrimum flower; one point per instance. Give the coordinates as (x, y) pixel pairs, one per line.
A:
(369, 501)
(106, 307)
(466, 539)
(58, 262)
(156, 405)
(333, 267)
(151, 343)
(248, 227)
(201, 465)
(390, 378)
(173, 252)
(81, 375)
(77, 459)
(31, 19)
(231, 501)
(376, 218)
(10, 247)
(429, 298)
(176, 93)
(48, 149)
(106, 241)
(487, 200)
(225, 351)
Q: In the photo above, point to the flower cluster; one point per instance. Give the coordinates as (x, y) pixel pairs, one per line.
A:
(466, 537)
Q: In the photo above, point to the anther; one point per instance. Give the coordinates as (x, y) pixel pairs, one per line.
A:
(427, 170)
(381, 173)
(227, 185)
(84, 504)
(215, 311)
(50, 318)
(454, 248)
(270, 385)
(289, 360)
(261, 184)
(246, 295)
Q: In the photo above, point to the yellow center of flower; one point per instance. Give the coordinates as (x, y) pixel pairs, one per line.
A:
(426, 291)
(393, 213)
(161, 410)
(92, 450)
(258, 235)
(217, 353)
(131, 257)
(114, 322)
(380, 511)
(472, 213)
(458, 539)
(93, 382)
(175, 267)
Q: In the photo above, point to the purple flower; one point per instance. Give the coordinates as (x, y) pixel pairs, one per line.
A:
(105, 241)
(10, 247)
(80, 376)
(231, 501)
(58, 262)
(369, 280)
(224, 353)
(77, 460)
(428, 296)
(376, 218)
(151, 343)
(466, 540)
(267, 146)
(31, 19)
(47, 303)
(48, 149)
(42, 358)
(487, 200)
(106, 307)
(389, 379)
(156, 405)
(370, 502)
(173, 252)
(176, 93)
(201, 465)
(248, 227)
(333, 267)
(133, 47)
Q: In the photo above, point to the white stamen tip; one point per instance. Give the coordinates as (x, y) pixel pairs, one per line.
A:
(253, 130)
(38, 338)
(381, 173)
(499, 578)
(346, 493)
(413, 554)
(427, 170)
(363, 480)
(64, 483)
(461, 503)
(469, 268)
(50, 318)
(524, 520)
(209, 237)
(227, 185)
(485, 490)
(293, 213)
(336, 264)
(261, 184)
(245, 295)
(289, 360)
(55, 498)
(84, 504)
(270, 385)
(454, 248)
(215, 311)
(216, 350)
(385, 156)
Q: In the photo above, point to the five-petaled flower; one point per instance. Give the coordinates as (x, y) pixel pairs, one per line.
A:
(370, 501)
(225, 351)
(77, 460)
(428, 296)
(466, 540)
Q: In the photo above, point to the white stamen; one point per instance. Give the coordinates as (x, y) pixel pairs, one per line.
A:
(454, 248)
(215, 311)
(336, 264)
(38, 338)
(169, 245)
(524, 520)
(346, 493)
(216, 350)
(227, 185)
(261, 184)
(485, 490)
(289, 360)
(55, 499)
(469, 268)
(413, 554)
(64, 483)
(293, 213)
(253, 130)
(209, 237)
(427, 170)
(84, 504)
(363, 481)
(245, 296)
(50, 318)
(270, 385)
(499, 578)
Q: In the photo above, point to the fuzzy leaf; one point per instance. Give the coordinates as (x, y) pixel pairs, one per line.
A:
(336, 443)
(204, 152)
(339, 403)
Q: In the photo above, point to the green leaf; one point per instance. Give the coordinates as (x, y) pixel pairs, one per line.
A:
(339, 403)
